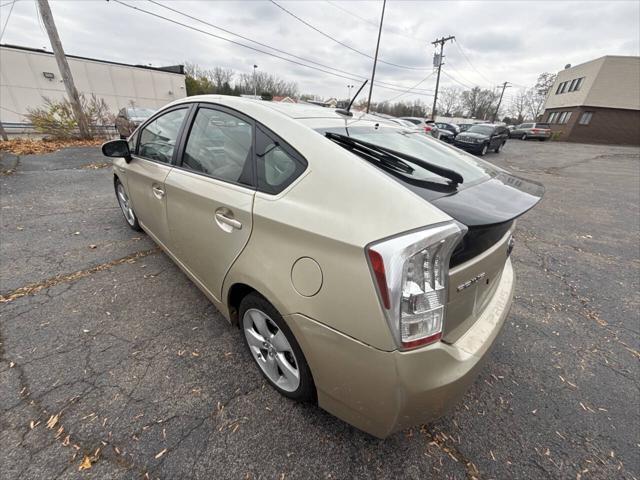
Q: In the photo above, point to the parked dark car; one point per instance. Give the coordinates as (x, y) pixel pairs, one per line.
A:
(446, 135)
(524, 131)
(129, 118)
(455, 129)
(481, 138)
(465, 126)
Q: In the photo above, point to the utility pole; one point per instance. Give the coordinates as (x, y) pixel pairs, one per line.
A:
(255, 82)
(504, 86)
(63, 66)
(375, 60)
(441, 42)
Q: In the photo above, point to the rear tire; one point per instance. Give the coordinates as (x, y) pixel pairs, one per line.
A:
(484, 150)
(542, 139)
(274, 349)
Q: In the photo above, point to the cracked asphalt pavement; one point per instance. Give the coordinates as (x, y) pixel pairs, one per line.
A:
(113, 361)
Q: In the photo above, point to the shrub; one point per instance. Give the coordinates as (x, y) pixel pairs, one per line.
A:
(57, 120)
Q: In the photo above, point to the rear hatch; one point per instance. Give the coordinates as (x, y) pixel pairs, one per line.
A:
(485, 199)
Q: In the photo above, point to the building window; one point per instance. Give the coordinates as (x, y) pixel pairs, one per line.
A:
(552, 117)
(578, 84)
(572, 86)
(585, 118)
(560, 87)
(564, 118)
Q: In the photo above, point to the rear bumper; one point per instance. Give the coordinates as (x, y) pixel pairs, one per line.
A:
(382, 392)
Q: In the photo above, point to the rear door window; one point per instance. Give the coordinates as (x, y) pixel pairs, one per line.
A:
(220, 145)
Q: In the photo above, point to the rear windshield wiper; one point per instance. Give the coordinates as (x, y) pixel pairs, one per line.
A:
(388, 157)
(371, 154)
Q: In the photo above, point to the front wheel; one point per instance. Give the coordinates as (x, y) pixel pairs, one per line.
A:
(485, 149)
(274, 348)
(523, 137)
(125, 206)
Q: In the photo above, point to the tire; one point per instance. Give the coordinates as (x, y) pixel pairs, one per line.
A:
(497, 149)
(125, 206)
(523, 137)
(542, 139)
(279, 358)
(484, 150)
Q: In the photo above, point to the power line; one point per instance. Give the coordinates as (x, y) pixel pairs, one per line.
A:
(179, 12)
(409, 89)
(342, 43)
(469, 61)
(456, 80)
(10, 2)
(353, 77)
(7, 21)
(371, 23)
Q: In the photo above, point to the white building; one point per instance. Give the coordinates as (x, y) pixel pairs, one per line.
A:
(27, 75)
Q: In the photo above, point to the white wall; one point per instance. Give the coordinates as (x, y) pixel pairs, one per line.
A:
(22, 83)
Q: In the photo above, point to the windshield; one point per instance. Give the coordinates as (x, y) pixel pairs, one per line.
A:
(140, 112)
(423, 147)
(483, 129)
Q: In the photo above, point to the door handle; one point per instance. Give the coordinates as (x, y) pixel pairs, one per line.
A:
(232, 222)
(158, 191)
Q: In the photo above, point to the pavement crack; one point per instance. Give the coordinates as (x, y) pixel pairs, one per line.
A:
(447, 444)
(33, 288)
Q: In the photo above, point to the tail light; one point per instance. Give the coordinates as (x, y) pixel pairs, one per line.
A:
(427, 128)
(535, 130)
(410, 272)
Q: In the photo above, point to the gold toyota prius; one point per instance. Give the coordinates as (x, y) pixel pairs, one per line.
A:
(367, 264)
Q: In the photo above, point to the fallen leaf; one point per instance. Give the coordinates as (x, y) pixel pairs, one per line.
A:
(76, 233)
(93, 246)
(11, 364)
(53, 419)
(161, 452)
(86, 463)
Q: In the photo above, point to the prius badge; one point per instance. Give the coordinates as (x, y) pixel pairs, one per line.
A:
(471, 281)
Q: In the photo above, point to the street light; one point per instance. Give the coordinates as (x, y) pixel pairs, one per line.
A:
(349, 87)
(255, 83)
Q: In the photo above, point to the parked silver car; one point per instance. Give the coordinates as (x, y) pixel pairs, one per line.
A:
(430, 128)
(524, 131)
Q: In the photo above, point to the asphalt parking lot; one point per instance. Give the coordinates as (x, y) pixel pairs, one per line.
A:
(112, 360)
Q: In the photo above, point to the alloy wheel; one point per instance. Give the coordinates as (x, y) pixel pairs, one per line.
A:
(271, 350)
(123, 201)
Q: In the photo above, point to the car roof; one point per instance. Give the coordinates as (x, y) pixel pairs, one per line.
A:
(308, 114)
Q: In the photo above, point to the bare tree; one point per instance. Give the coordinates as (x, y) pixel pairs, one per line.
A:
(265, 82)
(449, 101)
(478, 102)
(537, 95)
(221, 76)
(519, 106)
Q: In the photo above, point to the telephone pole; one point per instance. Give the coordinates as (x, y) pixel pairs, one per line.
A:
(63, 66)
(441, 42)
(375, 60)
(504, 86)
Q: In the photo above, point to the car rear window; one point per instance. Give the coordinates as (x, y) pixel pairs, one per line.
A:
(423, 147)
(542, 125)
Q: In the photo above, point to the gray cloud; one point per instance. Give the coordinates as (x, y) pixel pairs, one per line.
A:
(512, 41)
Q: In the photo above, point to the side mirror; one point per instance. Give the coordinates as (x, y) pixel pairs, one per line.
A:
(117, 149)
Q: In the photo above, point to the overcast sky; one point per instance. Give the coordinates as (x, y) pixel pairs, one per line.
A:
(504, 40)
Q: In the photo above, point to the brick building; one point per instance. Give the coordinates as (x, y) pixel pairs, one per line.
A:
(597, 102)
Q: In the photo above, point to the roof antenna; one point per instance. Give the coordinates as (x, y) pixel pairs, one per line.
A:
(347, 112)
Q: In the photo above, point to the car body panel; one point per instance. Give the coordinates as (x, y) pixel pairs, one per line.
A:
(144, 178)
(383, 392)
(206, 247)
